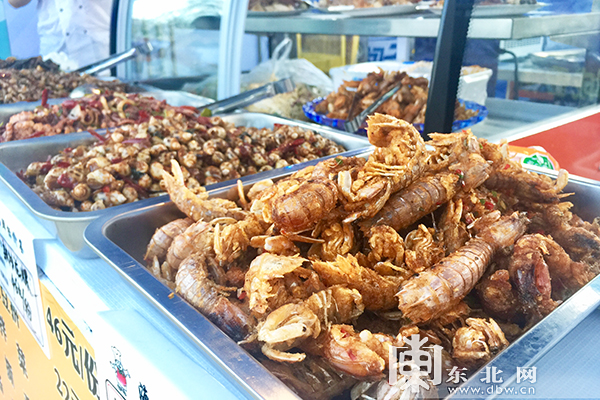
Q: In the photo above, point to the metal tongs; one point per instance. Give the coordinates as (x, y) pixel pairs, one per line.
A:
(249, 97)
(144, 48)
(354, 124)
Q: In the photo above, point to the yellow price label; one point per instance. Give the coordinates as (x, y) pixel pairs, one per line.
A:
(70, 373)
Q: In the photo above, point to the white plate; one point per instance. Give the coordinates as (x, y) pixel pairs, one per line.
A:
(494, 10)
(371, 11)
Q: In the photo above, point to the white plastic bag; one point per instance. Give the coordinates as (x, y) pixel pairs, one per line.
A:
(280, 66)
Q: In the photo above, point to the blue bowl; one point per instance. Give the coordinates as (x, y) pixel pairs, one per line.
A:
(309, 111)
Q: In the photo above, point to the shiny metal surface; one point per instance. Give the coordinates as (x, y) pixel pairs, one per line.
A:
(69, 226)
(249, 97)
(144, 48)
(423, 25)
(111, 237)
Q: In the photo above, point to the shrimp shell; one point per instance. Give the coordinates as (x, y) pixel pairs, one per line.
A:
(184, 244)
(163, 237)
(426, 195)
(303, 208)
(194, 285)
(529, 185)
(433, 292)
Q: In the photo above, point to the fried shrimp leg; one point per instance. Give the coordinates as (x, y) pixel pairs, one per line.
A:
(433, 292)
(197, 206)
(272, 281)
(291, 324)
(377, 291)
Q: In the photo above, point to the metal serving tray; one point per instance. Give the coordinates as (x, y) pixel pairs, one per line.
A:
(69, 226)
(112, 238)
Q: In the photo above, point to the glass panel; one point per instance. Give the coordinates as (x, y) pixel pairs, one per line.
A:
(184, 35)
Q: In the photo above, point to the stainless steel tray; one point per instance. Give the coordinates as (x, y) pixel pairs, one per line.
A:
(111, 237)
(69, 226)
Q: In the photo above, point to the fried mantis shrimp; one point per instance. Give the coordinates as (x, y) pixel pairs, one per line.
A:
(321, 272)
(433, 292)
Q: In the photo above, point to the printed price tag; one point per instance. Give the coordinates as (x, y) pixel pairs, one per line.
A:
(19, 275)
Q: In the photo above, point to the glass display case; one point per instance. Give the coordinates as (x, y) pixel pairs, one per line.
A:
(194, 42)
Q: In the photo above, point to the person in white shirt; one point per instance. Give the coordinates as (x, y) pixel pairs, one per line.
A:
(76, 29)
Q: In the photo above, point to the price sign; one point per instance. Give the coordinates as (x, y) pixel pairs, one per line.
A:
(18, 273)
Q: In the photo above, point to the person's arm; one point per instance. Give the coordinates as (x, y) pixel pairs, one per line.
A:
(18, 3)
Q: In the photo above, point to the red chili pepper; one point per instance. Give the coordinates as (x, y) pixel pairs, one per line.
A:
(45, 98)
(106, 189)
(65, 181)
(97, 135)
(188, 108)
(159, 117)
(141, 191)
(352, 356)
(204, 121)
(277, 126)
(143, 116)
(285, 147)
(241, 295)
(489, 205)
(468, 220)
(68, 150)
(69, 104)
(507, 166)
(38, 134)
(63, 164)
(46, 167)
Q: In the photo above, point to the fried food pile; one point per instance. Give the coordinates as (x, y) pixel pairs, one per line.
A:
(409, 103)
(29, 63)
(274, 5)
(106, 109)
(319, 273)
(29, 84)
(127, 164)
(365, 3)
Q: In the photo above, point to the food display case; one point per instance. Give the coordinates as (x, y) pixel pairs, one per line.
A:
(105, 328)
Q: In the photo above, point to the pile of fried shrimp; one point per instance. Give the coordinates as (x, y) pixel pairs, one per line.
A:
(319, 273)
